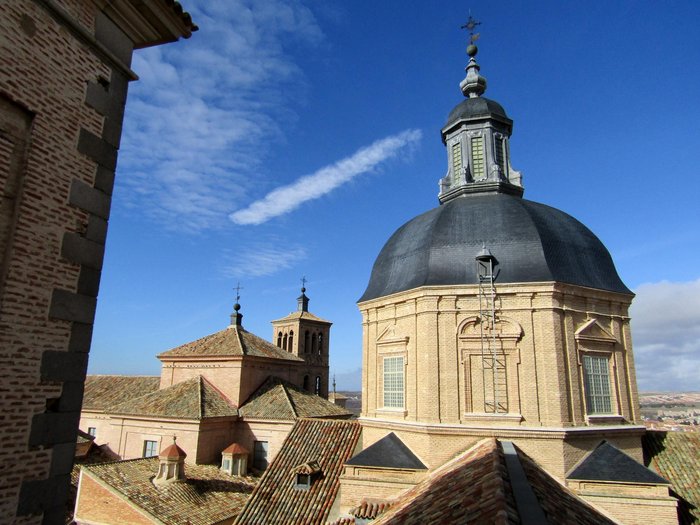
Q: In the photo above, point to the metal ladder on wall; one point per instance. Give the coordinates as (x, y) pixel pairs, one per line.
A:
(493, 361)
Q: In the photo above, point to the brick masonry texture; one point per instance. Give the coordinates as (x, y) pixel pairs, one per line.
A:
(62, 94)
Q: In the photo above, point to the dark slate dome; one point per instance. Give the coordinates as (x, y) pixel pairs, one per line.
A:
(531, 242)
(476, 107)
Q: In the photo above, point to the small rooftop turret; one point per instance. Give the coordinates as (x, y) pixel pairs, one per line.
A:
(171, 465)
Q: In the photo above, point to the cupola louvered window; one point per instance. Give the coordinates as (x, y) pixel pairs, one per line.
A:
(457, 157)
(478, 171)
(500, 151)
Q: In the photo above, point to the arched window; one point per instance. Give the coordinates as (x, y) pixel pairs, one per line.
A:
(320, 344)
(317, 390)
(313, 344)
(291, 340)
(279, 339)
(284, 345)
(307, 341)
(306, 383)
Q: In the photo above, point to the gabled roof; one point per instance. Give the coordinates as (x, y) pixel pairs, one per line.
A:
(307, 316)
(478, 487)
(676, 456)
(608, 463)
(276, 500)
(279, 399)
(207, 495)
(232, 341)
(104, 391)
(195, 398)
(388, 452)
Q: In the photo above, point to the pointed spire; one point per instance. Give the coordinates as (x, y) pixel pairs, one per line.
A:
(302, 300)
(474, 84)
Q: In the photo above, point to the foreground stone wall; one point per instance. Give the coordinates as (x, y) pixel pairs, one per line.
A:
(63, 85)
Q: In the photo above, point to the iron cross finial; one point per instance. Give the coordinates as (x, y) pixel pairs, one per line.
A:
(303, 283)
(238, 289)
(471, 26)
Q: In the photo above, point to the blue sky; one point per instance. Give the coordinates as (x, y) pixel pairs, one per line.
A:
(291, 138)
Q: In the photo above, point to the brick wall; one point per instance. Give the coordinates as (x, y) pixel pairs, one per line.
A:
(97, 504)
(63, 85)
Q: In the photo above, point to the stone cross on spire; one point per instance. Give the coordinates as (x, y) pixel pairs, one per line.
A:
(474, 84)
(237, 318)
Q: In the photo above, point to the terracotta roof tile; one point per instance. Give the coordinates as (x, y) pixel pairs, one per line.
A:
(369, 509)
(676, 456)
(195, 398)
(206, 496)
(302, 315)
(103, 391)
(276, 500)
(475, 487)
(232, 341)
(235, 449)
(279, 399)
(471, 488)
(172, 451)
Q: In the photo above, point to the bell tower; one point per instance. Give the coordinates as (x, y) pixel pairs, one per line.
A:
(307, 336)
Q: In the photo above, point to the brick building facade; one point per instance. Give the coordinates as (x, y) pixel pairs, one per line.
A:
(63, 85)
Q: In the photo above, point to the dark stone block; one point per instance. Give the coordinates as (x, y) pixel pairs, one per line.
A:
(71, 399)
(97, 149)
(104, 180)
(70, 306)
(31, 497)
(109, 35)
(97, 96)
(63, 366)
(112, 130)
(89, 281)
(54, 516)
(89, 199)
(55, 427)
(96, 229)
(83, 251)
(80, 337)
(62, 457)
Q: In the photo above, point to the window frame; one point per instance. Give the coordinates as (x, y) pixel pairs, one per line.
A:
(149, 444)
(396, 377)
(595, 382)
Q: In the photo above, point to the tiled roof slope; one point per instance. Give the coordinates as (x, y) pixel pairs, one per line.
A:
(475, 487)
(195, 398)
(279, 399)
(608, 463)
(275, 500)
(207, 495)
(103, 392)
(676, 456)
(471, 488)
(560, 505)
(302, 315)
(232, 341)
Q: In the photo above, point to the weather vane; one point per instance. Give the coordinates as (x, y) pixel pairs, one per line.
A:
(238, 289)
(470, 26)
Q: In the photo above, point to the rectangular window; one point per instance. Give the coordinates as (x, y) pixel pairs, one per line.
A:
(456, 158)
(260, 455)
(393, 382)
(150, 448)
(92, 431)
(478, 171)
(596, 374)
(501, 154)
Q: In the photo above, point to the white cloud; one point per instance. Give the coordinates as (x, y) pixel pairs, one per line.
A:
(264, 259)
(666, 335)
(287, 198)
(196, 119)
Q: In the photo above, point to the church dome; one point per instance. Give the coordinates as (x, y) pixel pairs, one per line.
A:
(532, 242)
(476, 107)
